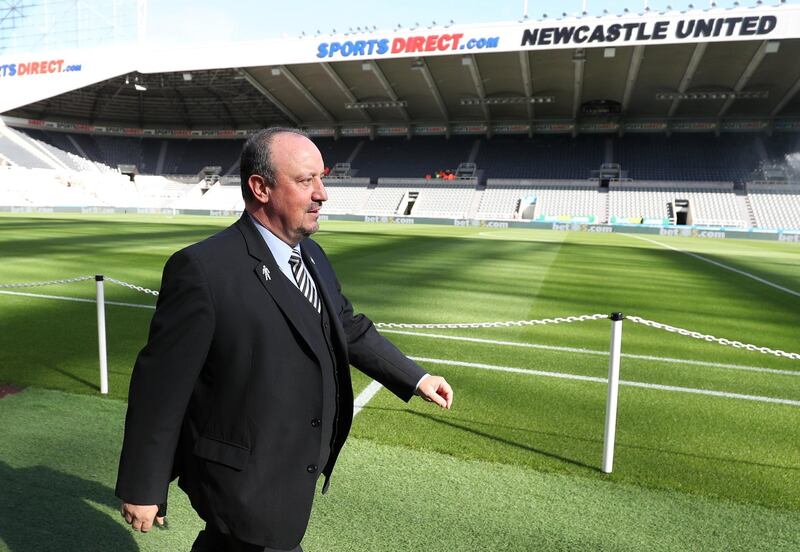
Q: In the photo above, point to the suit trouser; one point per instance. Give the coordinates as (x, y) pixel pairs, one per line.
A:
(211, 540)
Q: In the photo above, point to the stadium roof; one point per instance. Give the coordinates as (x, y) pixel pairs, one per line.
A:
(712, 65)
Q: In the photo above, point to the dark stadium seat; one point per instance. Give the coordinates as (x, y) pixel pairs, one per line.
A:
(546, 156)
(696, 157)
(399, 157)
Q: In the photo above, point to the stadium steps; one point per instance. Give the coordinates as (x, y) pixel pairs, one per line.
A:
(476, 202)
(473, 153)
(162, 156)
(745, 208)
(355, 152)
(603, 210)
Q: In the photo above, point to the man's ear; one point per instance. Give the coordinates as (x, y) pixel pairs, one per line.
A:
(259, 188)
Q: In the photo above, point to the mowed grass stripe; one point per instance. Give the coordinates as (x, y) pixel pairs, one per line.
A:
(721, 265)
(711, 447)
(383, 498)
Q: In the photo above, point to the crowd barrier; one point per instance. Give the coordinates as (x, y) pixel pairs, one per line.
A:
(615, 347)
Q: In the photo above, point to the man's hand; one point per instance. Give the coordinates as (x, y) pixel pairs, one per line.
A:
(436, 389)
(141, 517)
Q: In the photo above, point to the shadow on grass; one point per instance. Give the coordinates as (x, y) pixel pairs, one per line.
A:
(79, 379)
(486, 435)
(43, 509)
(709, 457)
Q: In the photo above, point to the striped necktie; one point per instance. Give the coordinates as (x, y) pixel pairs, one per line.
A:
(304, 281)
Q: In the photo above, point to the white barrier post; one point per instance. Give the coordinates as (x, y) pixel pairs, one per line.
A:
(613, 391)
(101, 333)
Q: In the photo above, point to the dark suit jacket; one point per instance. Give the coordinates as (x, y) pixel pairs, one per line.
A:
(225, 391)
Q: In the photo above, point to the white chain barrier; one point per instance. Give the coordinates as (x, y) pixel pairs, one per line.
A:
(506, 324)
(477, 325)
(47, 283)
(132, 286)
(711, 338)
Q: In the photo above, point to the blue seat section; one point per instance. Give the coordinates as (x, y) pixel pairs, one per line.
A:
(697, 157)
(336, 151)
(543, 156)
(679, 157)
(196, 154)
(55, 139)
(399, 157)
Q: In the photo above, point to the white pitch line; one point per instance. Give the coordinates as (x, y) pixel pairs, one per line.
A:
(561, 375)
(75, 299)
(365, 396)
(721, 265)
(596, 352)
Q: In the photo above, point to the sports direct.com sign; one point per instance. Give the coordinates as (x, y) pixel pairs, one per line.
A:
(415, 44)
(44, 67)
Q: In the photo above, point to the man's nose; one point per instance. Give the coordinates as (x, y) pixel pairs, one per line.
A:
(320, 194)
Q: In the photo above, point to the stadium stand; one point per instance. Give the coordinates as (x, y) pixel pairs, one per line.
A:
(337, 151)
(346, 196)
(72, 159)
(711, 204)
(17, 153)
(502, 197)
(692, 157)
(551, 156)
(400, 157)
(775, 205)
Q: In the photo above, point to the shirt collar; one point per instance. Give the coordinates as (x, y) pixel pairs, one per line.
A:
(280, 250)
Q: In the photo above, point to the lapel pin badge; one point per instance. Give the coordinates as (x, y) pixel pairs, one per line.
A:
(265, 272)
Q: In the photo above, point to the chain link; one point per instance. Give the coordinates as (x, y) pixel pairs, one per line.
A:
(711, 338)
(507, 324)
(132, 286)
(47, 283)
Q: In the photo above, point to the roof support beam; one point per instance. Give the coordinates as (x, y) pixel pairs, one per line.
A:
(306, 93)
(98, 109)
(745, 77)
(527, 85)
(384, 82)
(688, 75)
(786, 99)
(141, 110)
(268, 95)
(633, 75)
(337, 80)
(422, 67)
(475, 73)
(225, 108)
(187, 119)
(579, 60)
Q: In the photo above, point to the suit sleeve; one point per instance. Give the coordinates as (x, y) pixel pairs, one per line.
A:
(372, 353)
(378, 357)
(162, 381)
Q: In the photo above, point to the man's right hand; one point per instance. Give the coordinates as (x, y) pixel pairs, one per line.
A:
(141, 517)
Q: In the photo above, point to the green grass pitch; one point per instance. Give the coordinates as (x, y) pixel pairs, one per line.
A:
(515, 464)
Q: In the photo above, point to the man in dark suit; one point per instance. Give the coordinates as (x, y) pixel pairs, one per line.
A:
(243, 390)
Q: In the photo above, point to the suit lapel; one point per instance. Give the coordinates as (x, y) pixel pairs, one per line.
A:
(274, 282)
(325, 293)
